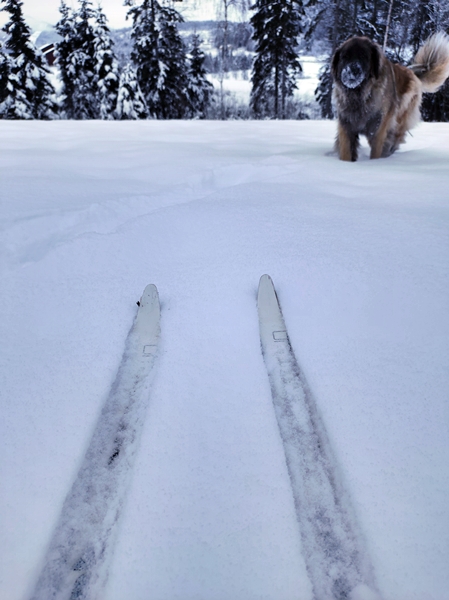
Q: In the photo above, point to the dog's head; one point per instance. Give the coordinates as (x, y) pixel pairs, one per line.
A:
(355, 62)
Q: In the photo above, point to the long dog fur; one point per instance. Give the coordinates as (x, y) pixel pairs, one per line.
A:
(380, 99)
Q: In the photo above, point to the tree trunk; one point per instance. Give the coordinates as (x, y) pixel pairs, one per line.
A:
(276, 89)
(387, 28)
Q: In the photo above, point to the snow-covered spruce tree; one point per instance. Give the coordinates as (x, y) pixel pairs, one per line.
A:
(334, 25)
(13, 100)
(87, 63)
(199, 88)
(106, 67)
(144, 54)
(27, 90)
(83, 64)
(5, 71)
(130, 101)
(172, 87)
(323, 92)
(277, 25)
(76, 60)
(160, 58)
(423, 25)
(65, 49)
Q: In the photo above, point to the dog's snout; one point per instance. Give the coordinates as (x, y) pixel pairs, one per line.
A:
(352, 75)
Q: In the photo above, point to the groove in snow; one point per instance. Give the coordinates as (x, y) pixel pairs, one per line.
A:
(76, 563)
(336, 560)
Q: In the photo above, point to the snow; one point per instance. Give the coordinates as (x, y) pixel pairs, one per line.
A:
(239, 82)
(91, 212)
(332, 544)
(309, 80)
(236, 82)
(92, 509)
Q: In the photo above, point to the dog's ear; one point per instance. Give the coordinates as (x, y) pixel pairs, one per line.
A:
(375, 60)
(335, 61)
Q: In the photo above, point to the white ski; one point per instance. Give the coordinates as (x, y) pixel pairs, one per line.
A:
(76, 563)
(337, 562)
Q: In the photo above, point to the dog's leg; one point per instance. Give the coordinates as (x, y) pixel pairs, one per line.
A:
(406, 121)
(347, 143)
(390, 145)
(396, 141)
(378, 141)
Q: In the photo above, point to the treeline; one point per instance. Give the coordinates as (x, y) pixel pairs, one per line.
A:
(166, 75)
(165, 79)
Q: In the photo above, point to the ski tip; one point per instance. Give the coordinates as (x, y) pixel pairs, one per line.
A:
(150, 296)
(267, 294)
(271, 321)
(265, 280)
(265, 285)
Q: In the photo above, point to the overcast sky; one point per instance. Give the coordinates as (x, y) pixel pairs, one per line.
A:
(42, 14)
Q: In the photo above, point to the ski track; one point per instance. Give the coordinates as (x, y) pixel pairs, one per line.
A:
(76, 564)
(31, 239)
(336, 560)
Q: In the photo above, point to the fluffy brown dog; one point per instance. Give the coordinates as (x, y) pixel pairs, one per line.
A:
(379, 99)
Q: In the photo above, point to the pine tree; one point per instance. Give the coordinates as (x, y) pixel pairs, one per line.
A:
(28, 93)
(160, 58)
(145, 47)
(423, 25)
(106, 67)
(172, 85)
(130, 101)
(5, 71)
(76, 60)
(65, 49)
(13, 101)
(199, 89)
(334, 24)
(87, 63)
(83, 64)
(323, 92)
(277, 25)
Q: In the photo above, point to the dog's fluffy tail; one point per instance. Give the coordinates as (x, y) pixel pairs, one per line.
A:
(431, 64)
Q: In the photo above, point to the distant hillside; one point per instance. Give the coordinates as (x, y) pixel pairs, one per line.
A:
(239, 36)
(47, 37)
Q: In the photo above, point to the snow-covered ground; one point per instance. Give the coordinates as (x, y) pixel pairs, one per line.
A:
(93, 211)
(308, 82)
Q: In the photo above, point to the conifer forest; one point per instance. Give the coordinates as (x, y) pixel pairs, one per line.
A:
(167, 71)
